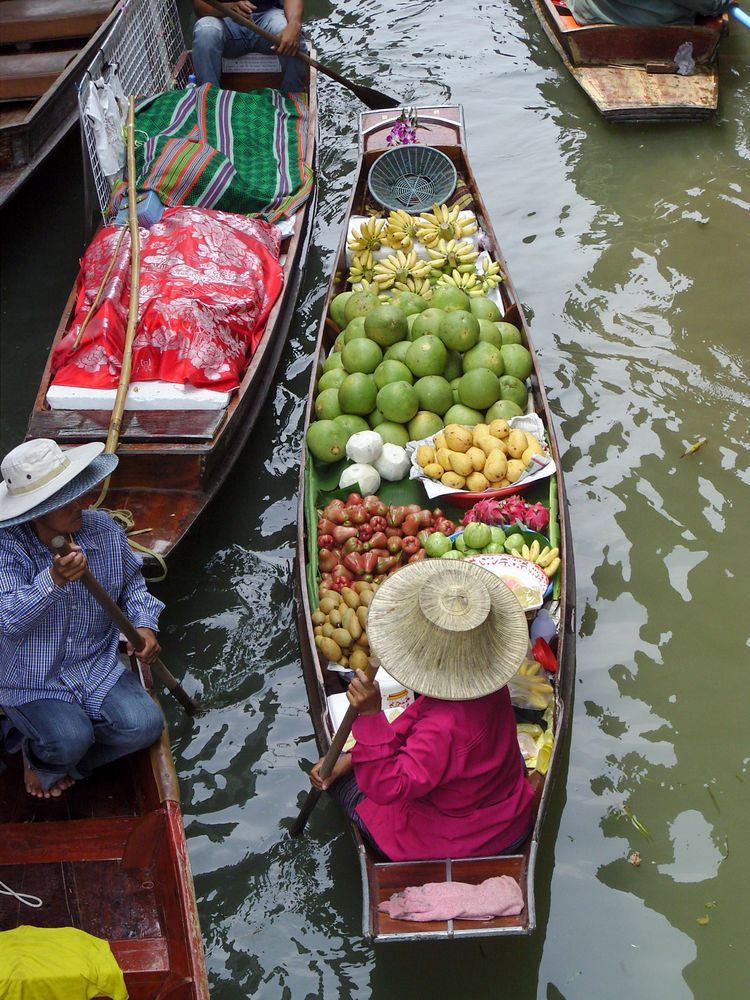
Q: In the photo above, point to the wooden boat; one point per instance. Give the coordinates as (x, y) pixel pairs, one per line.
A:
(46, 47)
(172, 462)
(109, 857)
(381, 880)
(629, 71)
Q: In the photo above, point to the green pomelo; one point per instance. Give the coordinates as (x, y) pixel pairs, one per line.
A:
(517, 361)
(455, 383)
(512, 388)
(503, 409)
(448, 297)
(326, 440)
(336, 310)
(484, 308)
(398, 402)
(339, 342)
(332, 361)
(411, 320)
(355, 329)
(479, 388)
(427, 356)
(351, 423)
(408, 302)
(485, 355)
(331, 379)
(434, 393)
(386, 325)
(361, 355)
(424, 424)
(427, 324)
(375, 419)
(397, 352)
(488, 333)
(392, 371)
(327, 405)
(357, 393)
(459, 330)
(510, 334)
(454, 366)
(393, 433)
(460, 414)
(359, 304)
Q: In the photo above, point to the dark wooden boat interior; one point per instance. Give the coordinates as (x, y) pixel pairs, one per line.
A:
(45, 48)
(629, 71)
(173, 462)
(109, 858)
(381, 880)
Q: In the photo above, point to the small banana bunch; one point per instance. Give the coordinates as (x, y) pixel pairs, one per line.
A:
(363, 264)
(452, 255)
(368, 237)
(396, 270)
(401, 230)
(468, 283)
(547, 558)
(529, 668)
(443, 224)
(489, 276)
(420, 286)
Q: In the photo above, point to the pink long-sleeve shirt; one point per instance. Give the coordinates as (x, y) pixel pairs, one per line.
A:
(445, 779)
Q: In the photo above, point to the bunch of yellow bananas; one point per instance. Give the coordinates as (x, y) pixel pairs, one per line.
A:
(368, 236)
(547, 558)
(452, 255)
(401, 230)
(397, 268)
(529, 668)
(466, 282)
(420, 286)
(490, 275)
(444, 224)
(362, 267)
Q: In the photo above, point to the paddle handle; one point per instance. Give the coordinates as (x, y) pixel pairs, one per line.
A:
(247, 22)
(334, 752)
(740, 15)
(131, 633)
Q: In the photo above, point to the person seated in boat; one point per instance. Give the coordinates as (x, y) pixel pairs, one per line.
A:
(62, 686)
(644, 11)
(446, 778)
(215, 38)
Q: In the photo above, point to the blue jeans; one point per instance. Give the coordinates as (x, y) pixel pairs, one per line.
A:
(60, 739)
(216, 37)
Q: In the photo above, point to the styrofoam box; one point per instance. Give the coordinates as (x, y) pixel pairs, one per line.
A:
(141, 396)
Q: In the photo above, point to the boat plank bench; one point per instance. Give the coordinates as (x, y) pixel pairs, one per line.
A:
(137, 425)
(47, 20)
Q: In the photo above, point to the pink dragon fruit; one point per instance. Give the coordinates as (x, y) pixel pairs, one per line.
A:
(486, 511)
(537, 517)
(509, 511)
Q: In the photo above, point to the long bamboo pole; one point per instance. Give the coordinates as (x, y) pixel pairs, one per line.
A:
(329, 761)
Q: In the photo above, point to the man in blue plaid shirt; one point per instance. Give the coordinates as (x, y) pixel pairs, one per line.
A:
(62, 686)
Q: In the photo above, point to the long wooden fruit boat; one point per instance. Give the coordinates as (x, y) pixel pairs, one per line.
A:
(630, 72)
(109, 857)
(381, 880)
(172, 462)
(46, 47)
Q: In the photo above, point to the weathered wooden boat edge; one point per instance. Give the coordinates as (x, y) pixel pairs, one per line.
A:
(312, 670)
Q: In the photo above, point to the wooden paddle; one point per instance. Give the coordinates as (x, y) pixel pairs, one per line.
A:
(372, 98)
(59, 545)
(334, 752)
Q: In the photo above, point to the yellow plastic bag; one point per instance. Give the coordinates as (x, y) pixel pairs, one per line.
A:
(57, 963)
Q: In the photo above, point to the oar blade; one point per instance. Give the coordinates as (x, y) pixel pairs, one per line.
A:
(374, 100)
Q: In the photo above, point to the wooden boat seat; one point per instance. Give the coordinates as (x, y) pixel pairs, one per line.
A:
(181, 426)
(46, 20)
(26, 75)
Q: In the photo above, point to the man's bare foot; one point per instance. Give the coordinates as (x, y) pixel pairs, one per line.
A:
(34, 785)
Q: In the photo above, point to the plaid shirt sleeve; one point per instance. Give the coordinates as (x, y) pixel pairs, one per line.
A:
(140, 606)
(26, 596)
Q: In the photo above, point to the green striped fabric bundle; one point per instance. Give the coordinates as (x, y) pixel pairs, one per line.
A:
(222, 149)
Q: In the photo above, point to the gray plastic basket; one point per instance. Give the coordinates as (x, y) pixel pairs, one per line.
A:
(411, 178)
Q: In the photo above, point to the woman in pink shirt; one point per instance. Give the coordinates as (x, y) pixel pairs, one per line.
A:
(446, 778)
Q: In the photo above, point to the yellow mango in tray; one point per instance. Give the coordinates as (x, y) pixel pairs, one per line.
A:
(443, 457)
(453, 480)
(500, 429)
(461, 464)
(433, 470)
(477, 457)
(515, 470)
(477, 482)
(496, 466)
(425, 455)
(517, 443)
(457, 437)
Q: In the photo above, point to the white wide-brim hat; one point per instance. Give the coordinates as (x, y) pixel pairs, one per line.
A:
(448, 629)
(39, 477)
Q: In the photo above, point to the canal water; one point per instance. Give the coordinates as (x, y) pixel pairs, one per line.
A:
(629, 248)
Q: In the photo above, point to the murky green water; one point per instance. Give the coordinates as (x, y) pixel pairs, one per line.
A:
(629, 247)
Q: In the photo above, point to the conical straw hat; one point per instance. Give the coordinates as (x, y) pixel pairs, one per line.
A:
(448, 629)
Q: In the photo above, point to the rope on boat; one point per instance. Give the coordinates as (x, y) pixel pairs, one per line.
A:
(23, 897)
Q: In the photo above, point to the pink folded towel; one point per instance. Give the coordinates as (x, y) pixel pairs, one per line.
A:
(495, 897)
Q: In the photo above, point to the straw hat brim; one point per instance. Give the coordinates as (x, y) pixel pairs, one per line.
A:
(88, 467)
(448, 629)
